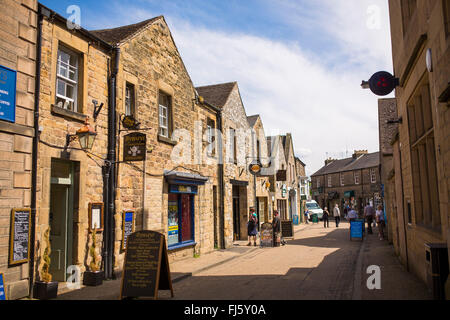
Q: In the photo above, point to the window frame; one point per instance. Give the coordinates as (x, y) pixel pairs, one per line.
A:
(168, 124)
(131, 98)
(356, 177)
(210, 138)
(373, 176)
(66, 81)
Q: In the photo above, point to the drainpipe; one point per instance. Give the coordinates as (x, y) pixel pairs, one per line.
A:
(221, 183)
(110, 168)
(35, 149)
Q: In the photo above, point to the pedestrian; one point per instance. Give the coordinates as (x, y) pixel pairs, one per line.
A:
(252, 227)
(326, 214)
(369, 214)
(337, 215)
(306, 216)
(276, 229)
(380, 221)
(352, 215)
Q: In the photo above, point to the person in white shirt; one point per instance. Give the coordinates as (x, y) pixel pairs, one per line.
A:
(337, 215)
(380, 221)
(352, 215)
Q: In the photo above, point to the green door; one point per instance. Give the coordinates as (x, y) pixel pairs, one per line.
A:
(61, 216)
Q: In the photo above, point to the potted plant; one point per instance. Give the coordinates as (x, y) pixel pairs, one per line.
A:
(46, 288)
(94, 276)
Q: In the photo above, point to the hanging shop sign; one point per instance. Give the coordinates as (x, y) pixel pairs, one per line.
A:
(127, 226)
(19, 250)
(96, 217)
(255, 168)
(383, 83)
(130, 123)
(146, 267)
(283, 191)
(2, 287)
(134, 147)
(8, 80)
(266, 235)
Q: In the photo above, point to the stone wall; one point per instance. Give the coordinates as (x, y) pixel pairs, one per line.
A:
(18, 23)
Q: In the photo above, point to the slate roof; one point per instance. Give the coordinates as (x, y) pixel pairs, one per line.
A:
(366, 161)
(252, 120)
(120, 34)
(216, 95)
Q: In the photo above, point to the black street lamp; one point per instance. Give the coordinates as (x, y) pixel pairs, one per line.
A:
(86, 136)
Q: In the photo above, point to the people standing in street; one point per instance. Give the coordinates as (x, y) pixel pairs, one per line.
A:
(380, 221)
(369, 214)
(306, 216)
(337, 215)
(352, 215)
(326, 214)
(276, 229)
(252, 228)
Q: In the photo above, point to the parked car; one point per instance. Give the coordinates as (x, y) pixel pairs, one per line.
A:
(314, 208)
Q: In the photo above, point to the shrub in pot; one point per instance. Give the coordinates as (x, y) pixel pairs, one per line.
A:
(46, 288)
(94, 276)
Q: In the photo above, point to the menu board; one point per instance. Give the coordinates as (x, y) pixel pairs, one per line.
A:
(2, 287)
(20, 236)
(146, 266)
(357, 229)
(127, 227)
(287, 229)
(266, 235)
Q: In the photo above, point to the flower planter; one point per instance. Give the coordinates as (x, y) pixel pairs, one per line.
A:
(93, 278)
(45, 290)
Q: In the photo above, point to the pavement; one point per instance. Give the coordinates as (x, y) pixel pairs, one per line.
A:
(330, 273)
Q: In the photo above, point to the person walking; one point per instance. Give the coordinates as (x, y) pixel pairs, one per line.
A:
(276, 229)
(326, 214)
(352, 215)
(380, 221)
(306, 216)
(252, 228)
(337, 215)
(369, 214)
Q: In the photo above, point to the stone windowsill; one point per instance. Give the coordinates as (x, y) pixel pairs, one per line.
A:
(68, 114)
(166, 140)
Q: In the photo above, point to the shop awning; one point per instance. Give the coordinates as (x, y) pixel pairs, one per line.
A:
(239, 183)
(349, 194)
(184, 178)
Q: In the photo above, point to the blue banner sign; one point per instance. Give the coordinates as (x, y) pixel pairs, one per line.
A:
(2, 287)
(357, 229)
(8, 79)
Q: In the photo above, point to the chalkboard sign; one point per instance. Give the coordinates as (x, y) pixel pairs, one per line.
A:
(266, 235)
(287, 229)
(146, 266)
(20, 236)
(357, 229)
(2, 288)
(127, 227)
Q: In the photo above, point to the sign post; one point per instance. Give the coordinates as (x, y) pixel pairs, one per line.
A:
(287, 229)
(266, 235)
(357, 229)
(146, 267)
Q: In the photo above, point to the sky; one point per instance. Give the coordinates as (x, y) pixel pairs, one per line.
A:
(298, 63)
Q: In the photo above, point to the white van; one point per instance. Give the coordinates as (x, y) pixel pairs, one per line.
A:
(314, 208)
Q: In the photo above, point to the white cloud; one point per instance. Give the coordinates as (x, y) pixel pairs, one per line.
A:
(294, 89)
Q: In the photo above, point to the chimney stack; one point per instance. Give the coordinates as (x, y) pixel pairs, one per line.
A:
(359, 153)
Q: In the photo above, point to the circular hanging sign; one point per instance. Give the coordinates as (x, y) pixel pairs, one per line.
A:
(129, 122)
(255, 168)
(382, 83)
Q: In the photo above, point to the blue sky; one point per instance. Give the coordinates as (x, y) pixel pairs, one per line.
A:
(299, 64)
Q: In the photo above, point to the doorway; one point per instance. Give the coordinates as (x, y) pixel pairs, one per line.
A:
(236, 214)
(61, 217)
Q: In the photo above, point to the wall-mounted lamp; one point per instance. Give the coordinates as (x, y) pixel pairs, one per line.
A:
(85, 135)
(97, 109)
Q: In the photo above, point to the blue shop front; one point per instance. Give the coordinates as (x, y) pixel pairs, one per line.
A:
(183, 189)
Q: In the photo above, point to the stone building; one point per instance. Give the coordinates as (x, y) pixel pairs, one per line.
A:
(277, 173)
(293, 193)
(260, 183)
(420, 35)
(74, 73)
(18, 29)
(174, 190)
(237, 145)
(303, 187)
(353, 181)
